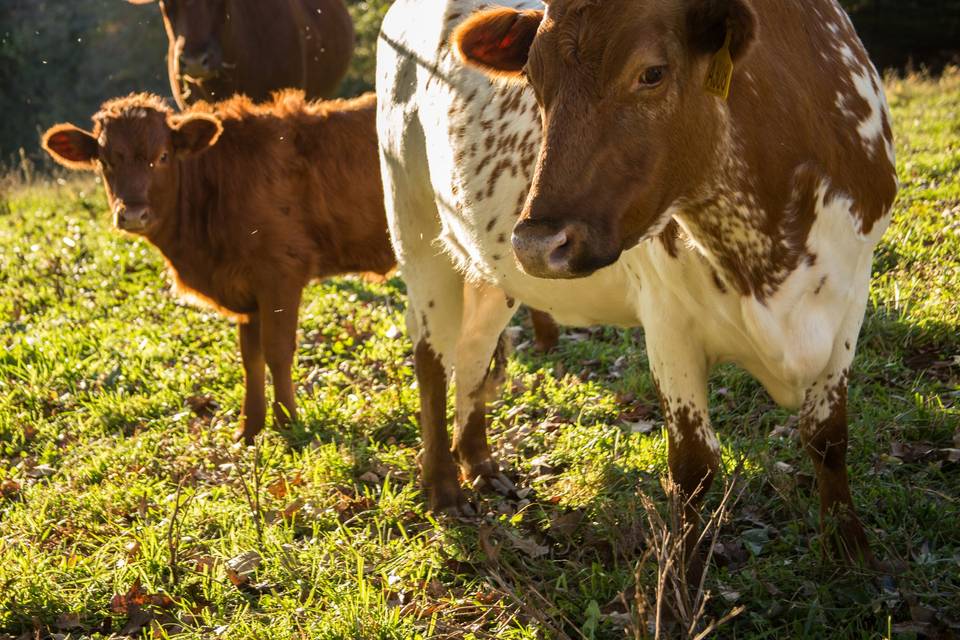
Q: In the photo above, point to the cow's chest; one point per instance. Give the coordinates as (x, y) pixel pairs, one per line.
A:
(493, 137)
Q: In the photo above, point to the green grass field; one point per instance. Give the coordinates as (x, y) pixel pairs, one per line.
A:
(126, 510)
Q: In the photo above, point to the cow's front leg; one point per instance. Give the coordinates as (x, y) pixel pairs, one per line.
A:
(434, 312)
(679, 367)
(823, 430)
(278, 338)
(486, 311)
(254, 403)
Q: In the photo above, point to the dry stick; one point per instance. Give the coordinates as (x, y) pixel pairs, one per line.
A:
(253, 497)
(173, 542)
(529, 585)
(669, 548)
(531, 611)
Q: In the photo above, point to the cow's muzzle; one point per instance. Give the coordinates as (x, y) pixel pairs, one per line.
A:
(198, 68)
(132, 218)
(551, 249)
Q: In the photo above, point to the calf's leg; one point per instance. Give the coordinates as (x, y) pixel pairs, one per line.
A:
(486, 311)
(278, 338)
(254, 403)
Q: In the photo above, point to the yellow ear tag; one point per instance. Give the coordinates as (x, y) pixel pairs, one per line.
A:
(720, 73)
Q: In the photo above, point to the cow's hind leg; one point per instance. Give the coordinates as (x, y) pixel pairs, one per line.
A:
(823, 430)
(546, 333)
(486, 311)
(435, 302)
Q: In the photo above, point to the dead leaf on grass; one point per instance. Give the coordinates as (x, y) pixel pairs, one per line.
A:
(241, 567)
(489, 546)
(67, 621)
(9, 489)
(204, 406)
(527, 546)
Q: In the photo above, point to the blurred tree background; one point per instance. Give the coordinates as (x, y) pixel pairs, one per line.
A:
(59, 59)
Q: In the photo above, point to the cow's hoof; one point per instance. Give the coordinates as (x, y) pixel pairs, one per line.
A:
(487, 475)
(245, 434)
(449, 499)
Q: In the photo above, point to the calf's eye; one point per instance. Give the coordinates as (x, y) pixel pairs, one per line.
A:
(651, 77)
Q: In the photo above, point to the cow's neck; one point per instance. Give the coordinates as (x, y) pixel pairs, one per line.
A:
(186, 238)
(751, 240)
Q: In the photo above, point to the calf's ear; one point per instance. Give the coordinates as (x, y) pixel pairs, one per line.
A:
(71, 146)
(497, 41)
(140, 1)
(709, 20)
(194, 132)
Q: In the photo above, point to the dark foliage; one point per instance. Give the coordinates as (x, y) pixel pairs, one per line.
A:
(904, 33)
(60, 59)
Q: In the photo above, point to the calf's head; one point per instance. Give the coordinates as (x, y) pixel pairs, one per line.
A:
(135, 145)
(195, 31)
(628, 127)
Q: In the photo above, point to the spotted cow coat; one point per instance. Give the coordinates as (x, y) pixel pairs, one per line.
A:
(766, 265)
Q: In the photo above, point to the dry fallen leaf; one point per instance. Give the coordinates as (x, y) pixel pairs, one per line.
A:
(489, 546)
(278, 488)
(9, 489)
(67, 621)
(241, 567)
(526, 545)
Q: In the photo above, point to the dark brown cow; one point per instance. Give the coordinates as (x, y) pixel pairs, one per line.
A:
(221, 47)
(247, 204)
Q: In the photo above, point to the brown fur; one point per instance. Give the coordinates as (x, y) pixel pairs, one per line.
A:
(663, 145)
(290, 191)
(256, 47)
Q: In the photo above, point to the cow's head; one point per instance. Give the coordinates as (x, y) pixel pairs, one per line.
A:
(135, 145)
(195, 30)
(628, 127)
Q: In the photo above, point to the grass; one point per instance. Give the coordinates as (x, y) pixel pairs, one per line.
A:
(125, 509)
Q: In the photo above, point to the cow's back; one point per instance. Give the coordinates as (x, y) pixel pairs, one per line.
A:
(808, 95)
(301, 44)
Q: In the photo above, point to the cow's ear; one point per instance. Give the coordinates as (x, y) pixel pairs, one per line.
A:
(497, 41)
(71, 146)
(194, 132)
(141, 1)
(708, 22)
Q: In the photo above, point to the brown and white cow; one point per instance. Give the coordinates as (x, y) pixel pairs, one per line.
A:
(573, 159)
(247, 203)
(221, 47)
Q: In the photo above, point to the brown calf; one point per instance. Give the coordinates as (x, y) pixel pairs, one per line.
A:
(247, 203)
(221, 47)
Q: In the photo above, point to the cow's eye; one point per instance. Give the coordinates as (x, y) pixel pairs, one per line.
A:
(163, 158)
(651, 77)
